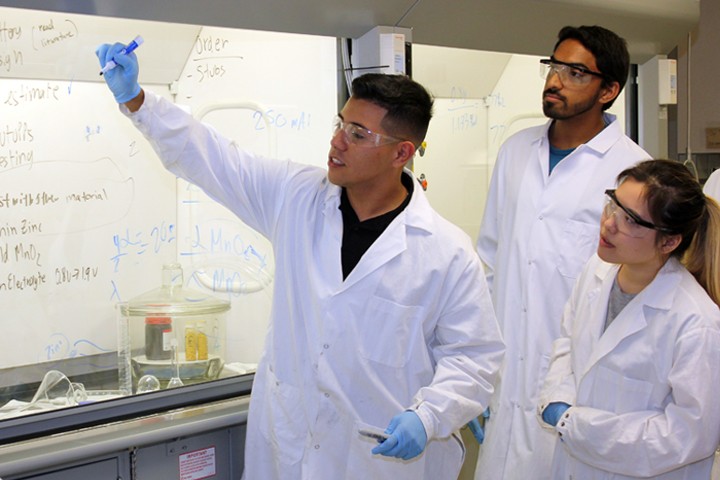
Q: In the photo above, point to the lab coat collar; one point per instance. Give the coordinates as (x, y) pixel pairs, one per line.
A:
(659, 295)
(331, 204)
(601, 143)
(393, 241)
(543, 135)
(418, 213)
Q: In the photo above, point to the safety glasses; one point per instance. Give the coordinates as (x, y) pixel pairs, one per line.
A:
(570, 74)
(360, 136)
(627, 221)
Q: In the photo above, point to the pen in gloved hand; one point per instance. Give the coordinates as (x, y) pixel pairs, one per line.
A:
(130, 48)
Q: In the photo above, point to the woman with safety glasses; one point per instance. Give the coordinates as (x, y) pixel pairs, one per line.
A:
(633, 384)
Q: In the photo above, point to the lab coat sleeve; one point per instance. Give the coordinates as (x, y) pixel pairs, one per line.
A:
(468, 349)
(559, 383)
(647, 443)
(248, 185)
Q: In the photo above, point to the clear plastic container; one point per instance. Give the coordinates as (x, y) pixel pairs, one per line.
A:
(172, 320)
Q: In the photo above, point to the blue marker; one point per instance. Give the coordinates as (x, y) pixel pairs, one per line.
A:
(130, 48)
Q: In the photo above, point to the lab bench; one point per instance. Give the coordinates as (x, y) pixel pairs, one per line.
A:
(189, 433)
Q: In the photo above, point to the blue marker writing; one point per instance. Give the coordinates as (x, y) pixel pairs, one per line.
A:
(130, 47)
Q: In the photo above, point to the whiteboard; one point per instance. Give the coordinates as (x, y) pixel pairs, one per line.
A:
(89, 214)
(86, 214)
(274, 94)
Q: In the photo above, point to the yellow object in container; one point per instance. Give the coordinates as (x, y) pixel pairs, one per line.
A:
(191, 343)
(202, 341)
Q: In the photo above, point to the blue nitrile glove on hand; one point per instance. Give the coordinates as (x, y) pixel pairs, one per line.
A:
(553, 412)
(407, 437)
(123, 79)
(477, 429)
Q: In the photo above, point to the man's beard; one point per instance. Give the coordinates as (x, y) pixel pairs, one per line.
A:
(562, 111)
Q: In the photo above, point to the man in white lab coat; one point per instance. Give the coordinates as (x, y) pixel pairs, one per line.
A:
(539, 228)
(381, 314)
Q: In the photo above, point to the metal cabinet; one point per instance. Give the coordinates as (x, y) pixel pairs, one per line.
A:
(189, 443)
(106, 469)
(216, 455)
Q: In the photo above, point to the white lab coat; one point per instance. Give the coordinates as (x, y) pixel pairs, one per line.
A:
(412, 326)
(644, 394)
(712, 186)
(537, 233)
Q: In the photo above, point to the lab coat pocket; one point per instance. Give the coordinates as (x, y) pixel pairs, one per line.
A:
(614, 392)
(543, 364)
(393, 327)
(281, 419)
(578, 243)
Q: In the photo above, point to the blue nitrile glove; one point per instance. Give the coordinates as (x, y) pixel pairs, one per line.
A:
(477, 429)
(123, 79)
(407, 437)
(553, 412)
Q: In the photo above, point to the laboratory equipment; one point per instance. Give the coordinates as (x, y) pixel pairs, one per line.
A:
(55, 391)
(148, 383)
(175, 381)
(173, 333)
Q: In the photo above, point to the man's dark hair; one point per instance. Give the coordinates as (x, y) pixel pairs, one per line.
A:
(610, 52)
(408, 104)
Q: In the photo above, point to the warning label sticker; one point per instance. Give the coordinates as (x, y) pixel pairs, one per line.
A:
(198, 464)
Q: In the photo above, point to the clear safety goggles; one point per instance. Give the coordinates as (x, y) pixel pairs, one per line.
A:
(360, 136)
(627, 221)
(569, 73)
